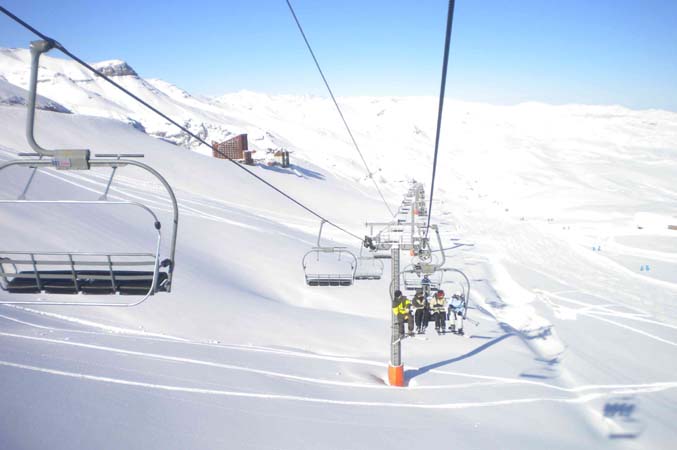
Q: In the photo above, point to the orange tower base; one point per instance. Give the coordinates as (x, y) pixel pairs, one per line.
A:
(396, 375)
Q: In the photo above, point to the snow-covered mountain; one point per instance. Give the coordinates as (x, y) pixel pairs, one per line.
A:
(564, 210)
(85, 93)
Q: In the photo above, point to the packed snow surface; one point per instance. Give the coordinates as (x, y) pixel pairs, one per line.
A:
(561, 216)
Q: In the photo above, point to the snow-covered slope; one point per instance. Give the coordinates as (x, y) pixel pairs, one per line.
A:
(14, 95)
(242, 354)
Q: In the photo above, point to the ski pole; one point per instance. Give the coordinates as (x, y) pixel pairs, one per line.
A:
(474, 322)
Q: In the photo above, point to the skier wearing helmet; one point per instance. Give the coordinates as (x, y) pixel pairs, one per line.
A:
(438, 307)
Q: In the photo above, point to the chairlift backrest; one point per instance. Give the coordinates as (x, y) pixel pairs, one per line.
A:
(369, 268)
(329, 266)
(413, 279)
(325, 266)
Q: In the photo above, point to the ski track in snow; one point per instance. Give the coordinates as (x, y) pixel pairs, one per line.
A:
(268, 396)
(487, 380)
(591, 311)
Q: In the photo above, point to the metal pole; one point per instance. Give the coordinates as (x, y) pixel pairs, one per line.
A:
(396, 348)
(37, 49)
(396, 368)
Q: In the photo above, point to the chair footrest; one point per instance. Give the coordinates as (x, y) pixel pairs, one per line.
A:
(95, 282)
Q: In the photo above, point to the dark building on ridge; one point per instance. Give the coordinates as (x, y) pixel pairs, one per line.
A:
(233, 148)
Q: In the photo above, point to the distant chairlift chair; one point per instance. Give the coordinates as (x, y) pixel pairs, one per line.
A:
(413, 279)
(315, 265)
(65, 272)
(368, 268)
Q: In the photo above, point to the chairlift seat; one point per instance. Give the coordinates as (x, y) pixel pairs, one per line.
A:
(318, 276)
(382, 254)
(95, 282)
(367, 276)
(83, 276)
(325, 280)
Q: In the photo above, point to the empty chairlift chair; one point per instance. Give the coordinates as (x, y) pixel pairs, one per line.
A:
(329, 266)
(382, 252)
(32, 271)
(369, 268)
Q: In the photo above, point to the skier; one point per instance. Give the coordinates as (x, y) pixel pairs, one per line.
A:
(420, 304)
(438, 308)
(456, 308)
(401, 305)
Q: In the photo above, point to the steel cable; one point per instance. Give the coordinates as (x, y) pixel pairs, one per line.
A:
(338, 108)
(164, 116)
(445, 63)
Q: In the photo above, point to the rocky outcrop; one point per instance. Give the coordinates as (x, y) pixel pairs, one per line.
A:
(115, 68)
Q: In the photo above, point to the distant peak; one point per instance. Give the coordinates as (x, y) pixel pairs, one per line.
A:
(115, 68)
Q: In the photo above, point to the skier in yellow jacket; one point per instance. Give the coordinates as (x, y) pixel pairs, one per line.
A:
(401, 306)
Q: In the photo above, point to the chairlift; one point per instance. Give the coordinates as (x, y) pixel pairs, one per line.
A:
(382, 253)
(413, 279)
(329, 266)
(457, 310)
(382, 242)
(30, 271)
(461, 304)
(368, 268)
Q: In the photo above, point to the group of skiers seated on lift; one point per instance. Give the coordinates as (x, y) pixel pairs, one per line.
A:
(421, 310)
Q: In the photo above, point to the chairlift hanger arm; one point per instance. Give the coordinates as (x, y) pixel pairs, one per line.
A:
(67, 159)
(439, 243)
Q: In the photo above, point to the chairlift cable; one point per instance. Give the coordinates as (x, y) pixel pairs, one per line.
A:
(65, 51)
(445, 63)
(338, 108)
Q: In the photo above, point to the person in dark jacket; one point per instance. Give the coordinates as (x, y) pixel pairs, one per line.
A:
(401, 306)
(438, 307)
(420, 305)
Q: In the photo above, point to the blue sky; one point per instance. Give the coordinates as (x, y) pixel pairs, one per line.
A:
(503, 52)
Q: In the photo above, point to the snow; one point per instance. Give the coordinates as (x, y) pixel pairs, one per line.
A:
(242, 354)
(14, 95)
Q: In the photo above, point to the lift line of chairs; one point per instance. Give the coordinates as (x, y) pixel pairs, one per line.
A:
(406, 232)
(140, 274)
